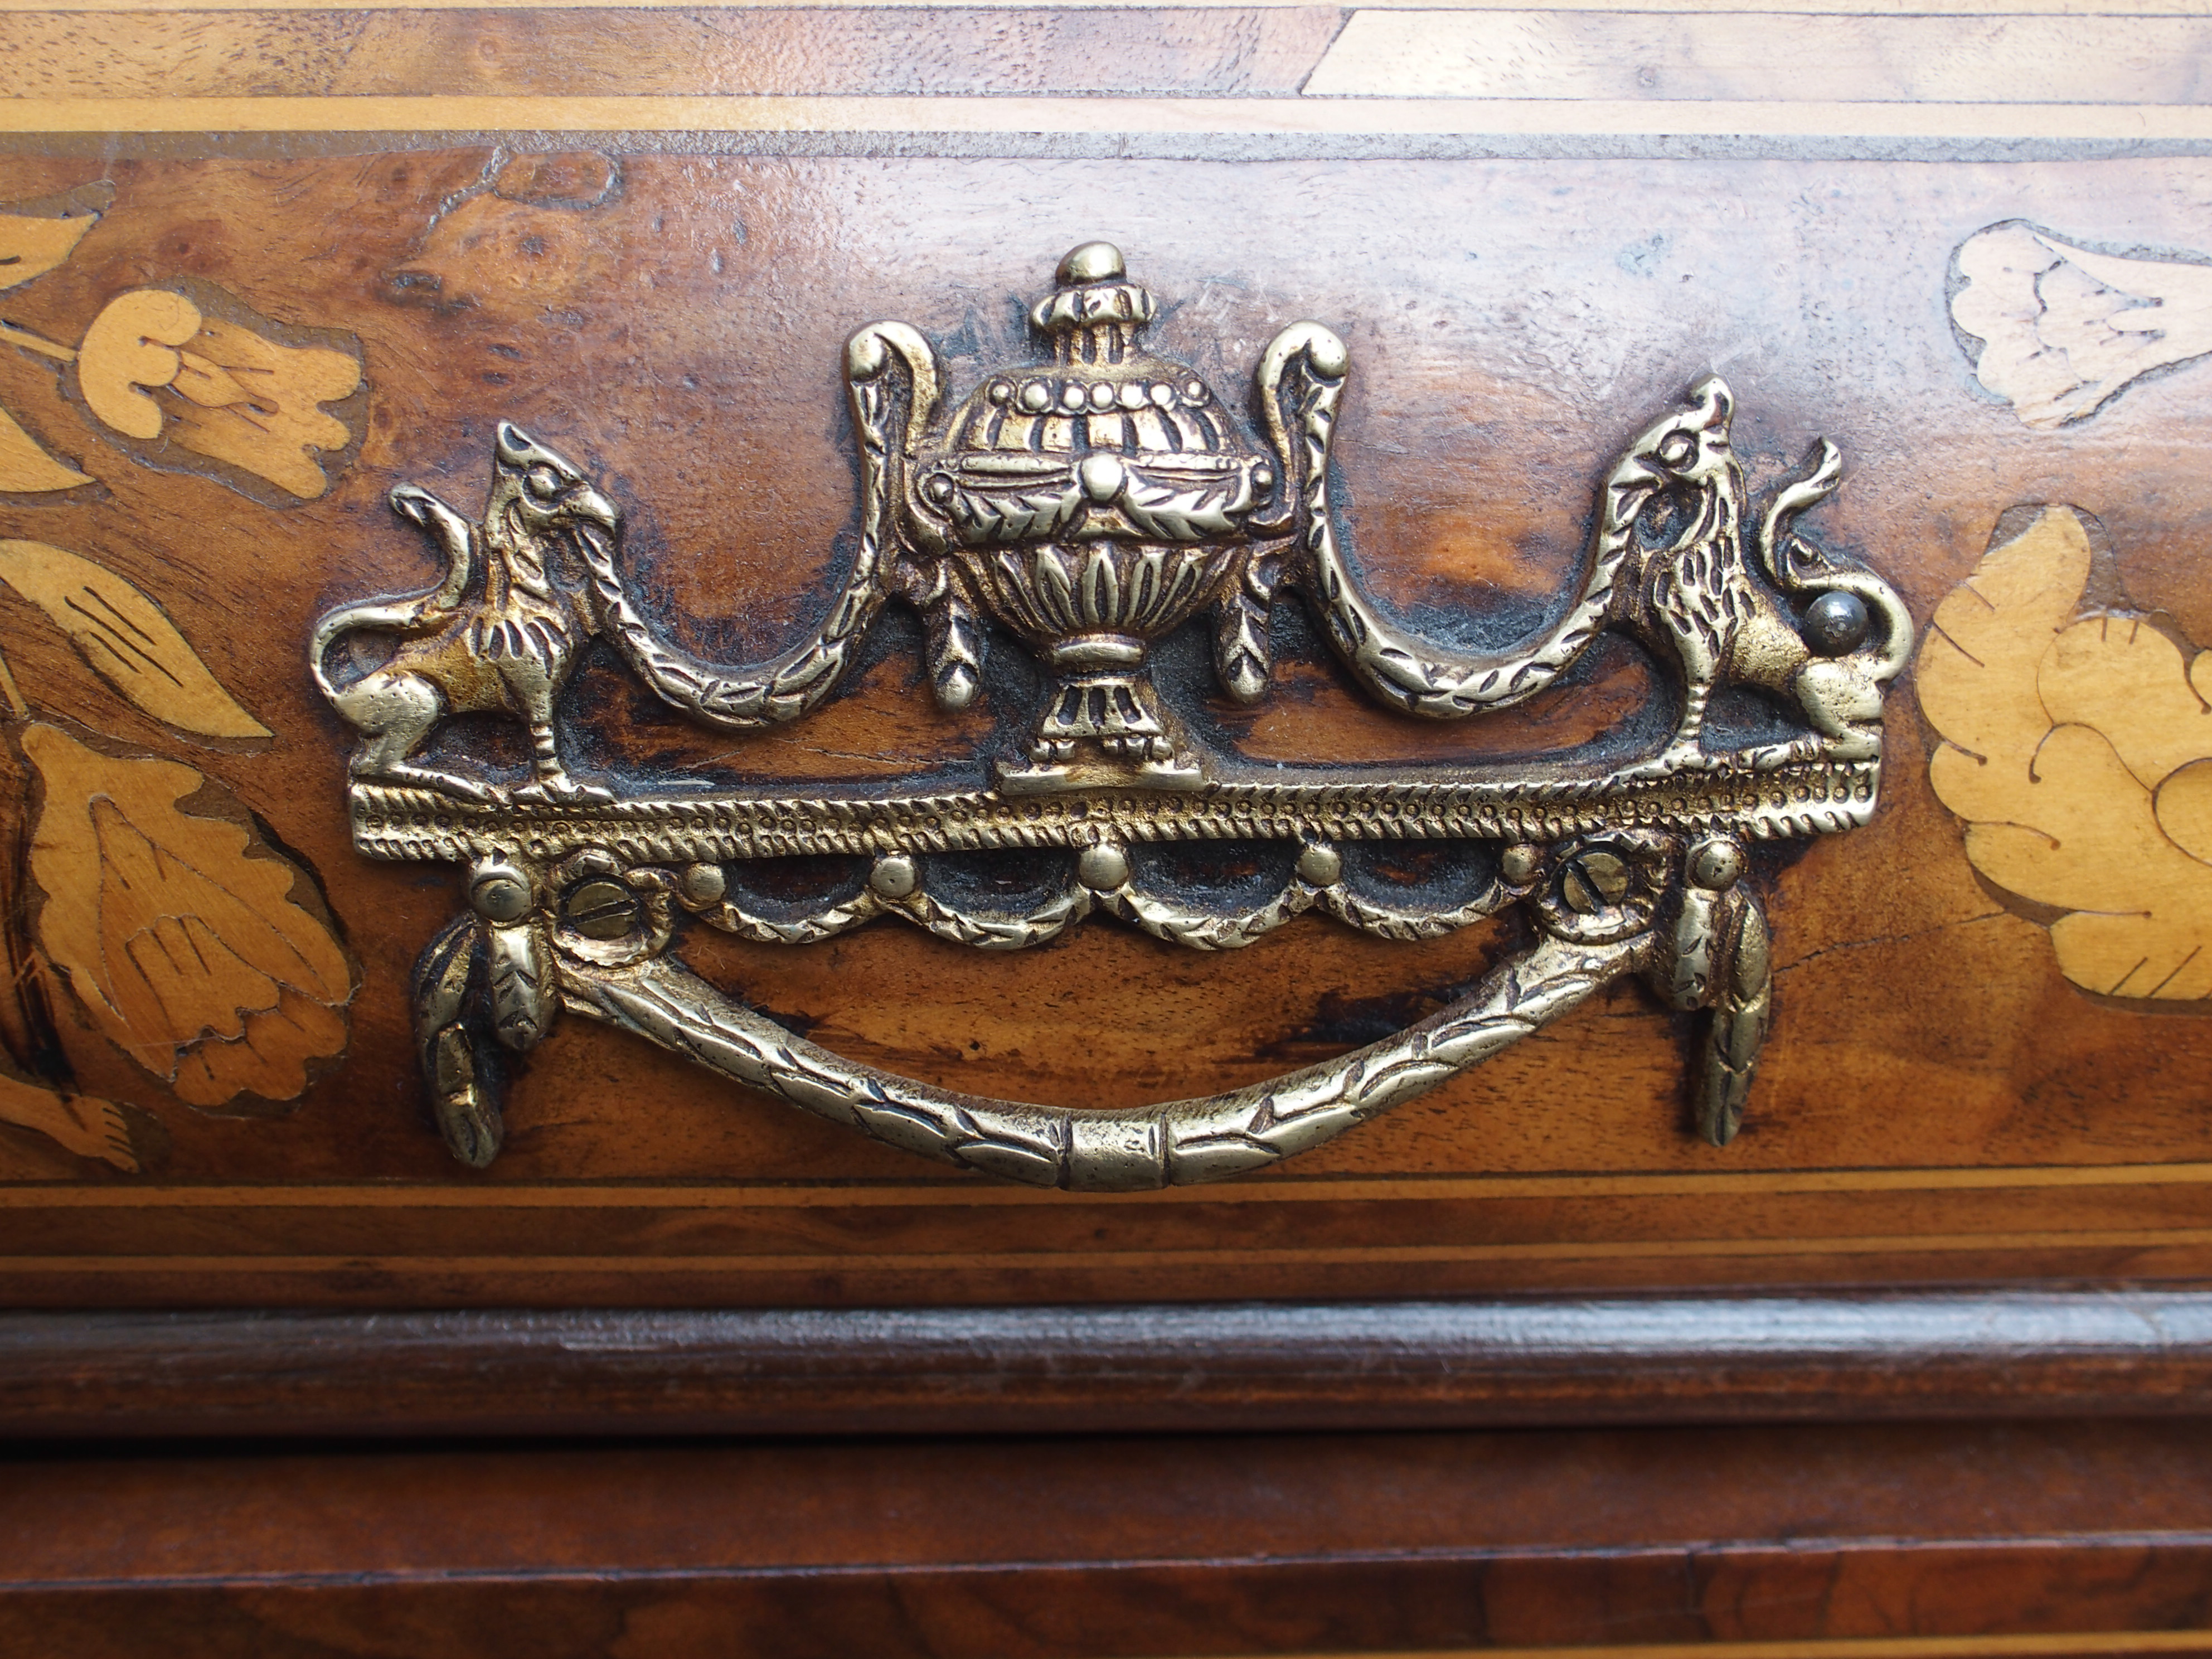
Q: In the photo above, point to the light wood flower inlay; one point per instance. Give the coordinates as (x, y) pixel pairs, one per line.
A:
(2078, 748)
(178, 933)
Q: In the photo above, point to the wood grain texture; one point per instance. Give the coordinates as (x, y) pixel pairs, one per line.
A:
(1960, 58)
(1179, 126)
(702, 50)
(1940, 1104)
(1242, 1369)
(1271, 52)
(1937, 1104)
(1870, 8)
(1216, 1544)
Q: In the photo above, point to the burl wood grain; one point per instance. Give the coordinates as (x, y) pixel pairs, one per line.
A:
(1937, 1101)
(508, 51)
(1056, 1549)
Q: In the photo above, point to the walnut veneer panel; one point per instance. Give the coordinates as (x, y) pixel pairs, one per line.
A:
(1938, 1101)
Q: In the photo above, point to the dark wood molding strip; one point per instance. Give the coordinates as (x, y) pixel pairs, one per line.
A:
(1459, 1364)
(1955, 1541)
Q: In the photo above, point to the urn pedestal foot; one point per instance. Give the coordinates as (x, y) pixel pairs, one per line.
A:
(1104, 729)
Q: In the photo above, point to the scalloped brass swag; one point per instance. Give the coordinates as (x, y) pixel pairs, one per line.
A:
(1090, 505)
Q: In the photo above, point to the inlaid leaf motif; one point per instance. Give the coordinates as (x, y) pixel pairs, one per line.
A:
(26, 468)
(126, 638)
(178, 933)
(2075, 747)
(87, 1125)
(239, 398)
(31, 246)
(2063, 330)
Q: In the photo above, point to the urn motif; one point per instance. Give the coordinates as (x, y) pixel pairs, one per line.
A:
(1091, 505)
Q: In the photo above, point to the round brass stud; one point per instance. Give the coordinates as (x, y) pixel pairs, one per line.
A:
(702, 884)
(1103, 868)
(894, 875)
(1102, 475)
(500, 893)
(1093, 262)
(1717, 866)
(1837, 624)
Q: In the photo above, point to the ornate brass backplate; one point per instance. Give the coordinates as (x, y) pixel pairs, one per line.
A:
(1091, 507)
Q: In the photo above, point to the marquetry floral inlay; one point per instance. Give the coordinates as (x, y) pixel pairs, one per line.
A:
(2078, 748)
(155, 367)
(2059, 331)
(160, 914)
(176, 931)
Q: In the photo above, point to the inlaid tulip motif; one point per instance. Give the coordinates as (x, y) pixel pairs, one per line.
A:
(157, 366)
(150, 909)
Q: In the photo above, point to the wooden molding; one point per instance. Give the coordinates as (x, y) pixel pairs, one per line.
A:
(1762, 1542)
(1250, 1366)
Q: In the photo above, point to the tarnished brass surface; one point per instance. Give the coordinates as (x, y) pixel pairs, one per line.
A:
(1089, 508)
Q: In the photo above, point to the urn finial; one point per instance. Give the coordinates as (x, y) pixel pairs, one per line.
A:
(1094, 315)
(1093, 262)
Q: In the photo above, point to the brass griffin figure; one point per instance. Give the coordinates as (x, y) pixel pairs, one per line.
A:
(1090, 506)
(510, 651)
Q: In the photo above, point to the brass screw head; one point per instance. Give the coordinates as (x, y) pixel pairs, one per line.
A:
(1593, 880)
(600, 909)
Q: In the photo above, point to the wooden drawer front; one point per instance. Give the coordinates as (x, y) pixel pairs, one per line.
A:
(228, 348)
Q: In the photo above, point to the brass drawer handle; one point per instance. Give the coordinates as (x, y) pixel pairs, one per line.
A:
(1090, 507)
